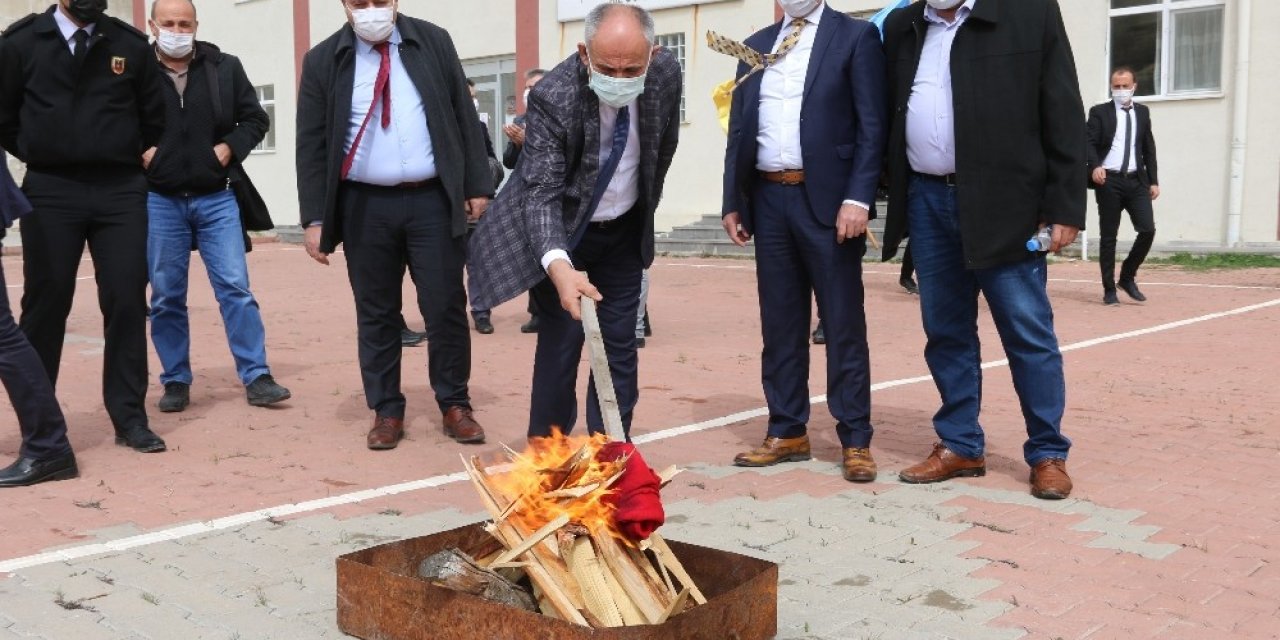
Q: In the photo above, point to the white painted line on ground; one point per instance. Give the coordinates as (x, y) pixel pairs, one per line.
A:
(237, 520)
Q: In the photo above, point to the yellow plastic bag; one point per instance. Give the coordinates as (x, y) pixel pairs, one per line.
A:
(722, 96)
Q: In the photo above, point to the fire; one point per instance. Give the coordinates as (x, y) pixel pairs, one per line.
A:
(561, 475)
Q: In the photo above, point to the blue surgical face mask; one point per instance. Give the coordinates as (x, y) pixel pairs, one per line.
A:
(617, 92)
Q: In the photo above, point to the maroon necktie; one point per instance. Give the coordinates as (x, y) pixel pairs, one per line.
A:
(381, 89)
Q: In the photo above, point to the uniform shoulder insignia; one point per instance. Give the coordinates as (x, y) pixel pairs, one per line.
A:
(20, 24)
(129, 29)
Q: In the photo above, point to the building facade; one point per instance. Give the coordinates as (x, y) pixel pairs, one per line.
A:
(1219, 144)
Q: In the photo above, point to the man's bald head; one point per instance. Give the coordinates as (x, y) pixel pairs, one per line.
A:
(619, 40)
(168, 5)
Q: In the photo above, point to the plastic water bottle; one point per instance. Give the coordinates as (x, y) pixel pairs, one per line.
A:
(1042, 240)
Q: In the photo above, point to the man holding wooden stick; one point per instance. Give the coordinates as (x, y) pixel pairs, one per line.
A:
(576, 217)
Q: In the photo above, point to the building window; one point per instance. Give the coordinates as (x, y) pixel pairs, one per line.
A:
(674, 42)
(1173, 46)
(267, 98)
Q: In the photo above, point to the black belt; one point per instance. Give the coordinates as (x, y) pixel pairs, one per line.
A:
(605, 225)
(1131, 174)
(949, 179)
(418, 184)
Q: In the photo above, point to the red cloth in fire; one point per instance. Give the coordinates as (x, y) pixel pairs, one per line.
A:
(637, 505)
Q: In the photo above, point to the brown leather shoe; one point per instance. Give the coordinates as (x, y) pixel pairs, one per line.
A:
(858, 465)
(386, 432)
(1049, 480)
(943, 464)
(775, 450)
(461, 426)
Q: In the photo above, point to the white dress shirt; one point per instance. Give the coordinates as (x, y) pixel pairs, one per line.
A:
(781, 97)
(624, 188)
(1116, 155)
(69, 28)
(402, 152)
(931, 127)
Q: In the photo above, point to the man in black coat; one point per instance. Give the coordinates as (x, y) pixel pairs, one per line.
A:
(45, 453)
(80, 101)
(214, 121)
(391, 165)
(987, 147)
(1122, 168)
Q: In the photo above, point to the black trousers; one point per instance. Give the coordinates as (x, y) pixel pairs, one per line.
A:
(1123, 192)
(107, 209)
(44, 430)
(385, 228)
(610, 254)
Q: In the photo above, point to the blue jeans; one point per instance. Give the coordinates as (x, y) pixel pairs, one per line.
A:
(213, 222)
(1019, 304)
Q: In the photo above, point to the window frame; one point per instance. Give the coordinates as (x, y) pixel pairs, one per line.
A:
(1167, 9)
(268, 105)
(682, 56)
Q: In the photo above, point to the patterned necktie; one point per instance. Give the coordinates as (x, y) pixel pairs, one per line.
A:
(381, 90)
(758, 61)
(621, 131)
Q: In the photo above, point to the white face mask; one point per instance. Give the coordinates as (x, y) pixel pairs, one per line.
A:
(798, 8)
(374, 24)
(525, 97)
(175, 45)
(943, 5)
(1122, 96)
(617, 92)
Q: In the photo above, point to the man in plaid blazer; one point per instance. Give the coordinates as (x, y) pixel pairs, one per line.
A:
(576, 218)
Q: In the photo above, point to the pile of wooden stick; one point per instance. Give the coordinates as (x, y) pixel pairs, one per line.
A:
(580, 571)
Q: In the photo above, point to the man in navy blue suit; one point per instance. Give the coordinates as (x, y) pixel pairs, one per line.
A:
(806, 142)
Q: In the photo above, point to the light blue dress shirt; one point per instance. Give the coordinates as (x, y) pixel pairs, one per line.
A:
(931, 125)
(401, 152)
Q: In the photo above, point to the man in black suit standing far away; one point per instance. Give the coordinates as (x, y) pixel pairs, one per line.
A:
(1122, 166)
(392, 164)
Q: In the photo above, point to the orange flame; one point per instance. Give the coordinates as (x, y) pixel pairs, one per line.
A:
(560, 475)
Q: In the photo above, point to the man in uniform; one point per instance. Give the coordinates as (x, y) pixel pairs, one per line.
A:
(80, 103)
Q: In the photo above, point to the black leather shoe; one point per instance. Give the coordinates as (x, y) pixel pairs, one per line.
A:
(483, 324)
(1109, 298)
(176, 397)
(411, 338)
(264, 391)
(140, 439)
(1130, 287)
(819, 336)
(910, 285)
(531, 326)
(28, 471)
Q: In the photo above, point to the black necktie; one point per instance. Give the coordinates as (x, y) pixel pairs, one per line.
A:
(82, 46)
(1128, 129)
(621, 131)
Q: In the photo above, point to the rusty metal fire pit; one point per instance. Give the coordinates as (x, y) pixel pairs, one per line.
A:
(380, 597)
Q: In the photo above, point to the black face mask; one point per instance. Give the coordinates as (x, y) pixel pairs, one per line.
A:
(86, 11)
